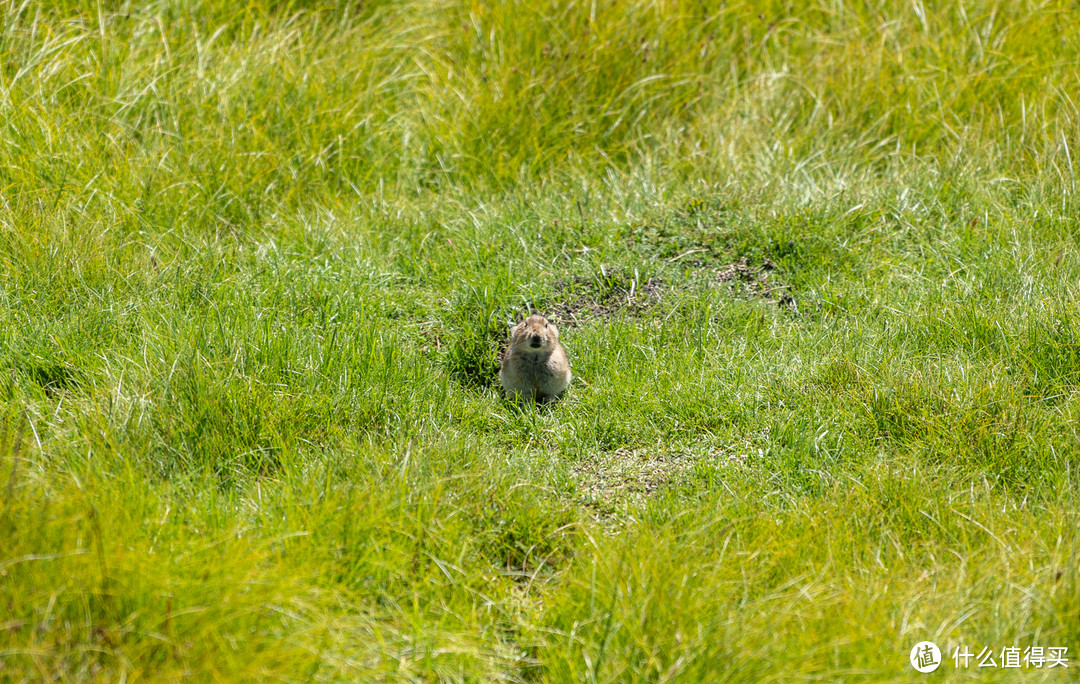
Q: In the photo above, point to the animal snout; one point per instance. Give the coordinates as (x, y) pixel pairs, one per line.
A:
(535, 340)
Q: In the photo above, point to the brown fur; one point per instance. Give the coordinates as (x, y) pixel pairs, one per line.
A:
(535, 365)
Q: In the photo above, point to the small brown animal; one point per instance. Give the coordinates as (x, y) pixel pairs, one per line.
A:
(535, 364)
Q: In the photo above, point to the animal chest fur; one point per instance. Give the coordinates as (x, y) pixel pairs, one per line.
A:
(534, 367)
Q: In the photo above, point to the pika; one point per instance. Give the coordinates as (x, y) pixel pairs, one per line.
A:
(535, 365)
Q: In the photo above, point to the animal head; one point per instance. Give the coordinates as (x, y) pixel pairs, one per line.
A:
(534, 334)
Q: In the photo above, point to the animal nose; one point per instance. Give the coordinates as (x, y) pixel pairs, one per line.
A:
(536, 340)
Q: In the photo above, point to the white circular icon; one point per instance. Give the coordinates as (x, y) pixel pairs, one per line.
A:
(925, 656)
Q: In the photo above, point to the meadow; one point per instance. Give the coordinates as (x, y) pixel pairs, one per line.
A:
(816, 265)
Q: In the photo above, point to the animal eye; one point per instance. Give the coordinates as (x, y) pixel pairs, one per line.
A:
(545, 325)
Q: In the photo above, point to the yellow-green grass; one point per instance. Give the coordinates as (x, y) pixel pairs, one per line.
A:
(817, 269)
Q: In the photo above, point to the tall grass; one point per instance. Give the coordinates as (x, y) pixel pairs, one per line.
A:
(815, 265)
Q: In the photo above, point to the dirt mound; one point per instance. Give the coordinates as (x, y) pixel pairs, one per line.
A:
(743, 279)
(609, 294)
(629, 474)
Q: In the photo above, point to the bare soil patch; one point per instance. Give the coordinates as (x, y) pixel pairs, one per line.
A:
(610, 294)
(629, 475)
(742, 278)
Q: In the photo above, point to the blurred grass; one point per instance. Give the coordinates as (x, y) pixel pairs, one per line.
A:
(258, 259)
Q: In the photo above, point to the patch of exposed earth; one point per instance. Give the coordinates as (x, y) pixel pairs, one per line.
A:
(743, 278)
(629, 476)
(612, 293)
(616, 482)
(584, 299)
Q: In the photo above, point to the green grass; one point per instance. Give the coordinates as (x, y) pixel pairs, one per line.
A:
(816, 267)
